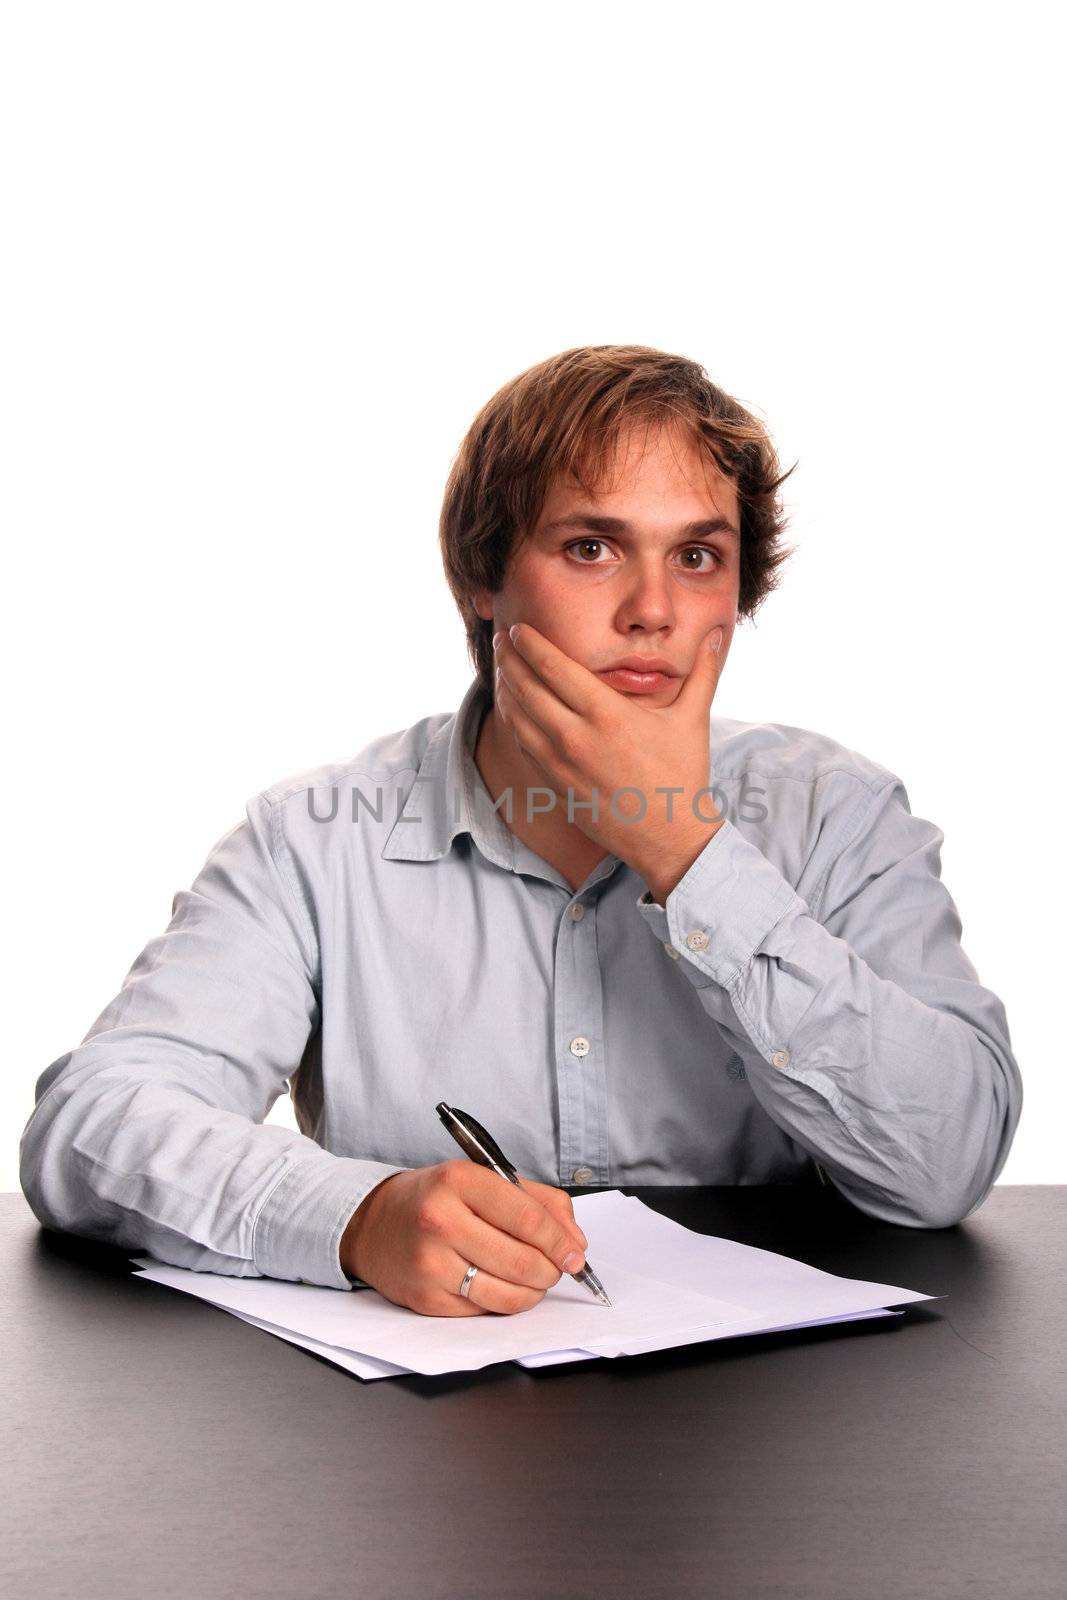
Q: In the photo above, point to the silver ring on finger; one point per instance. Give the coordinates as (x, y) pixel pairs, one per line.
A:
(465, 1286)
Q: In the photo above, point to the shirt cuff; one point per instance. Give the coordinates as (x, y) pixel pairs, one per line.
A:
(719, 913)
(297, 1234)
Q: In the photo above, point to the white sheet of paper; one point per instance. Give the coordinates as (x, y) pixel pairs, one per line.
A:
(780, 1292)
(549, 1358)
(369, 1324)
(669, 1286)
(365, 1367)
(362, 1366)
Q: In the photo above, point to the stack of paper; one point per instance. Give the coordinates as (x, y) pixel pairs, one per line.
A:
(668, 1286)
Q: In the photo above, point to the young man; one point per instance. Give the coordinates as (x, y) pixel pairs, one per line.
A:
(640, 942)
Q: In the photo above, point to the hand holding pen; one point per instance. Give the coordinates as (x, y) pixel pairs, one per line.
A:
(483, 1148)
(416, 1235)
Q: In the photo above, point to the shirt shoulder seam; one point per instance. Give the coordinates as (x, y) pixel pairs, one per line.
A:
(283, 793)
(287, 871)
(872, 782)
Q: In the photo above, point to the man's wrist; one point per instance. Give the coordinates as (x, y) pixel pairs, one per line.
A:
(671, 867)
(348, 1250)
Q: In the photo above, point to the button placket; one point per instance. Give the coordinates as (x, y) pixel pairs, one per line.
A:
(578, 1034)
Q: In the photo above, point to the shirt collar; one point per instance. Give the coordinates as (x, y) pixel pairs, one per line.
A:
(442, 801)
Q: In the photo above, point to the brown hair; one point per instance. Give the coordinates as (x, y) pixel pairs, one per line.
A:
(565, 415)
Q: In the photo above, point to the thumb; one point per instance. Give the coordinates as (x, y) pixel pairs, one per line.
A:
(699, 689)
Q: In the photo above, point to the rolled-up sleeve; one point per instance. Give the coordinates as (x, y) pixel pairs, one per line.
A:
(150, 1134)
(864, 1029)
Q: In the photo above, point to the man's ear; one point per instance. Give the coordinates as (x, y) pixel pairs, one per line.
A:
(482, 601)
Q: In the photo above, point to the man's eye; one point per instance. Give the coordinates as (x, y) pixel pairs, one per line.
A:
(586, 544)
(704, 550)
(695, 549)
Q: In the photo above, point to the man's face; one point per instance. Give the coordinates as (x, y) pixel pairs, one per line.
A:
(640, 570)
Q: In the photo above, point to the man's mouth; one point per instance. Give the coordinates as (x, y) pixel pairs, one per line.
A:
(643, 665)
(631, 681)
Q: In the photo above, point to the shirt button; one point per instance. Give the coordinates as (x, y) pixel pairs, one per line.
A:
(671, 951)
(579, 1046)
(582, 1175)
(697, 940)
(780, 1058)
(577, 912)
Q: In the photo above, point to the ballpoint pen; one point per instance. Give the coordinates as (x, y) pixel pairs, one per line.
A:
(483, 1148)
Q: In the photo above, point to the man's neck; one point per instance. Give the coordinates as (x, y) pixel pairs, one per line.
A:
(502, 766)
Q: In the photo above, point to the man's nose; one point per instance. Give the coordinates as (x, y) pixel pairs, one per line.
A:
(648, 601)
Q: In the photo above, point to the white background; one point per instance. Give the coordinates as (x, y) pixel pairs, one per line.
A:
(263, 263)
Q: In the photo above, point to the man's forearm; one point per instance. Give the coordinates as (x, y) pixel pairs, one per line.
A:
(896, 1073)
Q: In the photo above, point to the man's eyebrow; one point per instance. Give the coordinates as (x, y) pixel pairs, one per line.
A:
(594, 524)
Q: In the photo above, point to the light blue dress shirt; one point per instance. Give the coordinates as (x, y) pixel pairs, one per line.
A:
(374, 936)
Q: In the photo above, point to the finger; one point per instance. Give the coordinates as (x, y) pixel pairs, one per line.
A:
(499, 1252)
(515, 1211)
(488, 1293)
(531, 738)
(527, 691)
(698, 690)
(559, 1202)
(538, 666)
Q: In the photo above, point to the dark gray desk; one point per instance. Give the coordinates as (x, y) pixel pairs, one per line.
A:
(162, 1448)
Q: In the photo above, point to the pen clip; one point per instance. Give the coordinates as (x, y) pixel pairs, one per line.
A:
(474, 1139)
